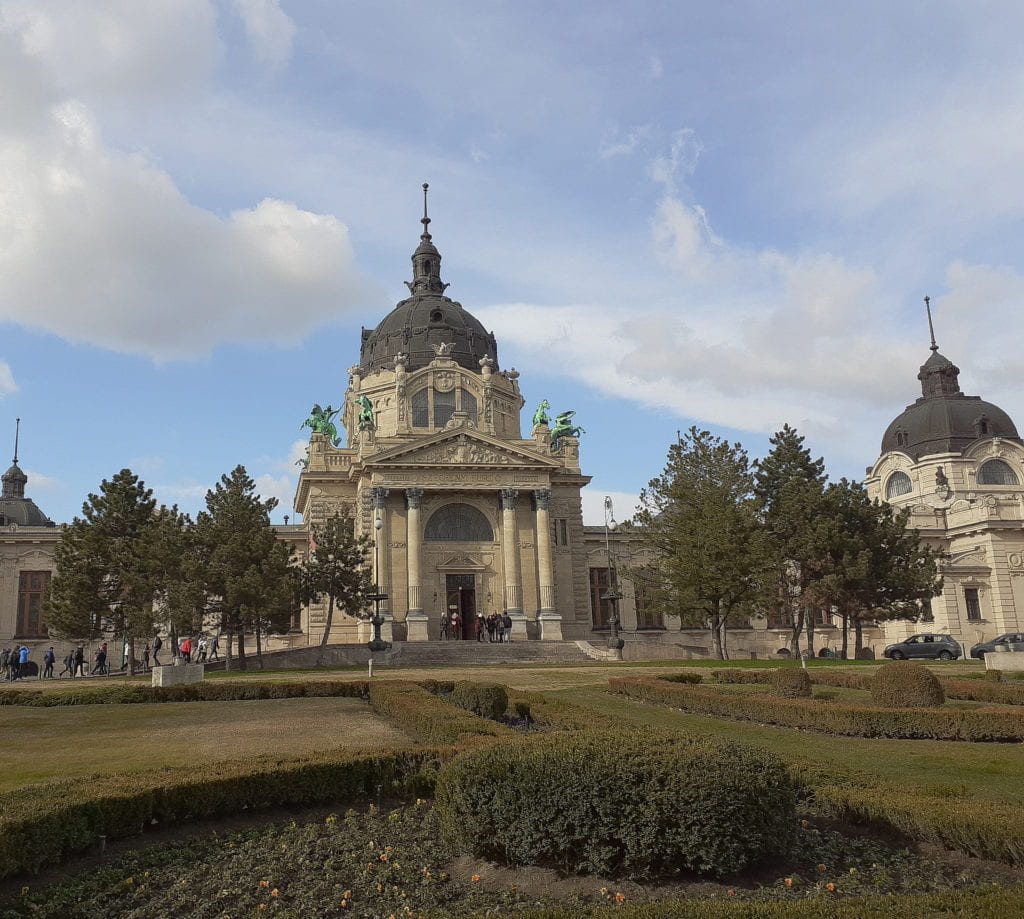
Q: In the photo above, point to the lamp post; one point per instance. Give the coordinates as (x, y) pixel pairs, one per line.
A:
(377, 643)
(612, 594)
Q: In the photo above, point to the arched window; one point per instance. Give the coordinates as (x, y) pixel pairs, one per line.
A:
(421, 409)
(458, 523)
(996, 472)
(899, 484)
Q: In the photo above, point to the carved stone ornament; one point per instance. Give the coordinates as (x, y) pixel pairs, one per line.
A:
(1015, 560)
(542, 496)
(401, 359)
(444, 381)
(413, 497)
(444, 349)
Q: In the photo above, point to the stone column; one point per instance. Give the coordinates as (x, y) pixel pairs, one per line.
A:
(547, 615)
(513, 594)
(415, 618)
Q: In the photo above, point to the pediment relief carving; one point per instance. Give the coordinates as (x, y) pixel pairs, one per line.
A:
(462, 449)
(461, 561)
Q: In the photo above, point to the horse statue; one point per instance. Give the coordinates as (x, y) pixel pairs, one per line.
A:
(541, 415)
(320, 422)
(366, 420)
(563, 428)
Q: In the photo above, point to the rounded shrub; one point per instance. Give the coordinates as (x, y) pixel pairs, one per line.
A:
(634, 804)
(488, 700)
(790, 683)
(903, 684)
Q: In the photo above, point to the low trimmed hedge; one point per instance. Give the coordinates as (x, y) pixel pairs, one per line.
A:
(43, 824)
(976, 903)
(790, 683)
(905, 684)
(979, 725)
(204, 691)
(486, 700)
(984, 829)
(428, 718)
(736, 675)
(656, 803)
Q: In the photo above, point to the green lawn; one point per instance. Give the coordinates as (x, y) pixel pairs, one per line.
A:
(46, 743)
(991, 772)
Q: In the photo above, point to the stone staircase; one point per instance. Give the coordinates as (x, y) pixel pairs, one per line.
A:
(483, 654)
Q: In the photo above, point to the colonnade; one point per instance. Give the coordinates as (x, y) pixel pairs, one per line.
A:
(512, 588)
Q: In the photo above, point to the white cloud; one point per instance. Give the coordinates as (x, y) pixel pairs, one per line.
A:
(122, 48)
(280, 487)
(38, 482)
(270, 30)
(7, 384)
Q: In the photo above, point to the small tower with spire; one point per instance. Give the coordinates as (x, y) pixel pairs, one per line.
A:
(14, 479)
(426, 260)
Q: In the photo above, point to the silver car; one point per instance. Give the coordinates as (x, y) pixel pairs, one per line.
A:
(930, 645)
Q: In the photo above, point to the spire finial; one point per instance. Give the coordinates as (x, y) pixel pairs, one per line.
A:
(931, 328)
(17, 432)
(426, 220)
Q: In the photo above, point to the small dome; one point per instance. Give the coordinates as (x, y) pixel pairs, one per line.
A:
(944, 420)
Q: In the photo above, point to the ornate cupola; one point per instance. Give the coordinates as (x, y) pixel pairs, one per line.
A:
(943, 419)
(14, 506)
(427, 319)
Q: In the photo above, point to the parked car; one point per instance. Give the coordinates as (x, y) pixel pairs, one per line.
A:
(1005, 643)
(941, 647)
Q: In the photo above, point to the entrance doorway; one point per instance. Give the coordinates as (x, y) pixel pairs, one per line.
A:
(461, 592)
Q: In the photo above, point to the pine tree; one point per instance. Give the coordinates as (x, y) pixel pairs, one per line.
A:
(700, 520)
(106, 578)
(238, 570)
(339, 569)
(790, 488)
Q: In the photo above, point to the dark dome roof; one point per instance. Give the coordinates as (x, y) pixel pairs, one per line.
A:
(427, 318)
(15, 507)
(944, 420)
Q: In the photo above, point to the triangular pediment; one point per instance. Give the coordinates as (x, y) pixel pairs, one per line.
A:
(461, 448)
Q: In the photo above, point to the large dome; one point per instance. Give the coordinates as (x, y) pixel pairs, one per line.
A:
(944, 420)
(14, 506)
(426, 320)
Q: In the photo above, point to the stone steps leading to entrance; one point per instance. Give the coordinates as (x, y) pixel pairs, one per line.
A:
(483, 653)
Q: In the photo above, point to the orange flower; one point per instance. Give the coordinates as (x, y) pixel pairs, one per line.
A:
(263, 906)
(347, 894)
(620, 898)
(24, 891)
(344, 904)
(831, 886)
(273, 893)
(383, 857)
(789, 882)
(475, 878)
(821, 868)
(264, 883)
(732, 893)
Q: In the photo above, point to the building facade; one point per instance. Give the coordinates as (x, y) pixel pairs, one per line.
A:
(958, 463)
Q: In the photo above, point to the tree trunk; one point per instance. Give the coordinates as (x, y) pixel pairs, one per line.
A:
(131, 657)
(243, 664)
(259, 646)
(809, 616)
(174, 643)
(227, 651)
(858, 632)
(798, 627)
(846, 635)
(723, 639)
(327, 633)
(715, 627)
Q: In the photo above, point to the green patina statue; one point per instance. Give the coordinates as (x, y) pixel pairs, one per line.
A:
(320, 422)
(541, 415)
(563, 428)
(366, 420)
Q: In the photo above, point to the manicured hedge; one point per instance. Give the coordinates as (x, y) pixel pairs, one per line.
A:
(426, 717)
(984, 691)
(985, 829)
(736, 675)
(790, 683)
(905, 684)
(205, 691)
(976, 903)
(655, 803)
(42, 824)
(1004, 726)
(487, 700)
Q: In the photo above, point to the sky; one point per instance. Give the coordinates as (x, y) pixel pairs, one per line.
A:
(669, 213)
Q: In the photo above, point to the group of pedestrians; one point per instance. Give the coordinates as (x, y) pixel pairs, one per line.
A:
(494, 628)
(14, 663)
(199, 650)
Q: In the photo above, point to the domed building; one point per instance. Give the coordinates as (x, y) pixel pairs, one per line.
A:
(27, 542)
(957, 462)
(467, 515)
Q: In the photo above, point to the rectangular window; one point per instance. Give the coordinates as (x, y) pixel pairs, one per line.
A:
(822, 617)
(644, 591)
(973, 603)
(601, 609)
(560, 531)
(31, 591)
(444, 407)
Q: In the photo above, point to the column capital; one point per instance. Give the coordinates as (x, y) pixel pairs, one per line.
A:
(378, 496)
(413, 496)
(541, 496)
(508, 498)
